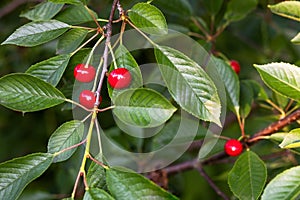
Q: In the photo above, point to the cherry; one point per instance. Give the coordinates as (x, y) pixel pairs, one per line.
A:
(84, 74)
(87, 98)
(235, 66)
(233, 147)
(119, 78)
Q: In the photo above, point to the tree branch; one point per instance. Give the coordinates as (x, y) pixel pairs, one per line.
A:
(210, 182)
(106, 49)
(274, 127)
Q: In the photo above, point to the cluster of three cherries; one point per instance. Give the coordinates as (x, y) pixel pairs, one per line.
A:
(118, 78)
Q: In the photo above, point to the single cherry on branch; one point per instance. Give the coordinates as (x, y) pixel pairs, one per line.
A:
(119, 78)
(235, 66)
(233, 147)
(84, 73)
(87, 98)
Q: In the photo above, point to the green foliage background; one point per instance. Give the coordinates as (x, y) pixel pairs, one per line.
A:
(260, 38)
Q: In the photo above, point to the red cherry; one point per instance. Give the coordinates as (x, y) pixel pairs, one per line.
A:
(235, 66)
(84, 74)
(233, 147)
(119, 78)
(87, 98)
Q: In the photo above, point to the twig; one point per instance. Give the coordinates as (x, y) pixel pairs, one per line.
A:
(210, 182)
(275, 126)
(106, 49)
(187, 165)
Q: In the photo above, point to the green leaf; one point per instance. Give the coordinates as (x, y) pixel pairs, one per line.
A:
(75, 2)
(285, 186)
(16, 174)
(175, 7)
(246, 99)
(76, 15)
(125, 60)
(36, 33)
(288, 9)
(291, 139)
(97, 194)
(67, 135)
(69, 41)
(23, 92)
(96, 176)
(248, 176)
(50, 70)
(278, 137)
(237, 9)
(131, 186)
(148, 18)
(213, 7)
(189, 84)
(43, 11)
(296, 39)
(231, 83)
(143, 107)
(283, 78)
(258, 91)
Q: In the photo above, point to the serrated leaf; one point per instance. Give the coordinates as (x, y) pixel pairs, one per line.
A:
(285, 186)
(43, 11)
(131, 186)
(75, 2)
(67, 135)
(283, 78)
(258, 91)
(16, 174)
(189, 84)
(143, 107)
(296, 39)
(69, 41)
(231, 83)
(148, 18)
(237, 10)
(175, 7)
(96, 176)
(50, 70)
(23, 92)
(291, 139)
(246, 99)
(76, 15)
(288, 9)
(248, 176)
(125, 60)
(36, 33)
(278, 137)
(96, 194)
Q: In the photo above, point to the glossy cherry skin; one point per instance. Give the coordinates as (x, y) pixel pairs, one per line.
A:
(233, 147)
(119, 78)
(84, 74)
(87, 98)
(235, 66)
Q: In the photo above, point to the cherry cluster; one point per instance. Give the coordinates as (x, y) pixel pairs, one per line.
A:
(118, 78)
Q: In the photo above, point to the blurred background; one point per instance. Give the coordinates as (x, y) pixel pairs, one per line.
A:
(259, 38)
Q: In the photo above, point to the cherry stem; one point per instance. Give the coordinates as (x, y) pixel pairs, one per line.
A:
(78, 104)
(94, 18)
(141, 32)
(276, 107)
(81, 46)
(113, 56)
